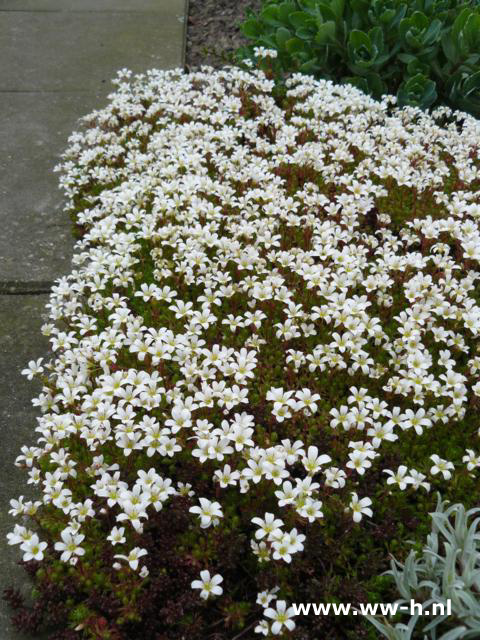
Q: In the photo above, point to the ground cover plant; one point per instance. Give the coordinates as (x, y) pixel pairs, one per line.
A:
(426, 52)
(264, 362)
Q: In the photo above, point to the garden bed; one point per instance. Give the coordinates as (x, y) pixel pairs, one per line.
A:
(264, 362)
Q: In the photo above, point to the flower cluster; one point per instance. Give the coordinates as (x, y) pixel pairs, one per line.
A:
(280, 294)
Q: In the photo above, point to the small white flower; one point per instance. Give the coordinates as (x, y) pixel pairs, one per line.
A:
(281, 616)
(208, 585)
(441, 466)
(360, 507)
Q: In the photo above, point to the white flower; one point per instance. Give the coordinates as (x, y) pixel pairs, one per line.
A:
(307, 400)
(265, 597)
(70, 545)
(399, 477)
(208, 585)
(312, 461)
(208, 512)
(472, 459)
(441, 466)
(281, 617)
(360, 507)
(33, 549)
(262, 627)
(262, 52)
(117, 535)
(133, 557)
(34, 368)
(269, 526)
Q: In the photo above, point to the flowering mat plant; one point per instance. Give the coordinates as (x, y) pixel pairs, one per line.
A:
(264, 361)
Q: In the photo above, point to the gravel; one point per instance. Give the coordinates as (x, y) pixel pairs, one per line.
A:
(212, 30)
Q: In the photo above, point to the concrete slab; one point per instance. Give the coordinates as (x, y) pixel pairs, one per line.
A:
(20, 341)
(36, 241)
(83, 5)
(57, 62)
(74, 51)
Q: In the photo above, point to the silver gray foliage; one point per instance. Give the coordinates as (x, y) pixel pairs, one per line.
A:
(448, 569)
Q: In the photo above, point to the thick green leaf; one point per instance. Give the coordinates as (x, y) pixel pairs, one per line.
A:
(267, 41)
(337, 7)
(269, 15)
(459, 23)
(294, 45)
(252, 28)
(284, 11)
(376, 37)
(415, 66)
(472, 83)
(359, 39)
(305, 34)
(449, 48)
(418, 91)
(471, 33)
(357, 81)
(300, 19)
(376, 85)
(326, 11)
(406, 57)
(281, 37)
(310, 66)
(310, 6)
(433, 32)
(325, 33)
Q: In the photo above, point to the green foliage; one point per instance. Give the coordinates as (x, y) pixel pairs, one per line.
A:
(426, 52)
(448, 569)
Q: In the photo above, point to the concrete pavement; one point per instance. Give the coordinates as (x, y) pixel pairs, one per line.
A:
(58, 57)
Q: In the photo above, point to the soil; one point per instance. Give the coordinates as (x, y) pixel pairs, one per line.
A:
(213, 33)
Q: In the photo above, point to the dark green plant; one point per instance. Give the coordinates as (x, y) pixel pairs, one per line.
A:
(425, 52)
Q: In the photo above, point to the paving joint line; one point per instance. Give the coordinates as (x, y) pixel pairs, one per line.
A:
(81, 91)
(26, 288)
(104, 11)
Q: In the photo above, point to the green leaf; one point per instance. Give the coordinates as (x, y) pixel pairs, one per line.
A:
(309, 6)
(267, 41)
(357, 81)
(432, 34)
(376, 85)
(418, 91)
(281, 37)
(359, 39)
(252, 28)
(269, 15)
(284, 11)
(471, 33)
(416, 66)
(449, 48)
(406, 57)
(326, 11)
(472, 83)
(337, 7)
(300, 19)
(459, 23)
(311, 66)
(294, 45)
(376, 37)
(325, 33)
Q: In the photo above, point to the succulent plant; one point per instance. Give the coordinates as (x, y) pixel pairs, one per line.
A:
(426, 52)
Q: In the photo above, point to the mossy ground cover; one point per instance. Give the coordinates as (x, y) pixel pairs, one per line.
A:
(273, 312)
